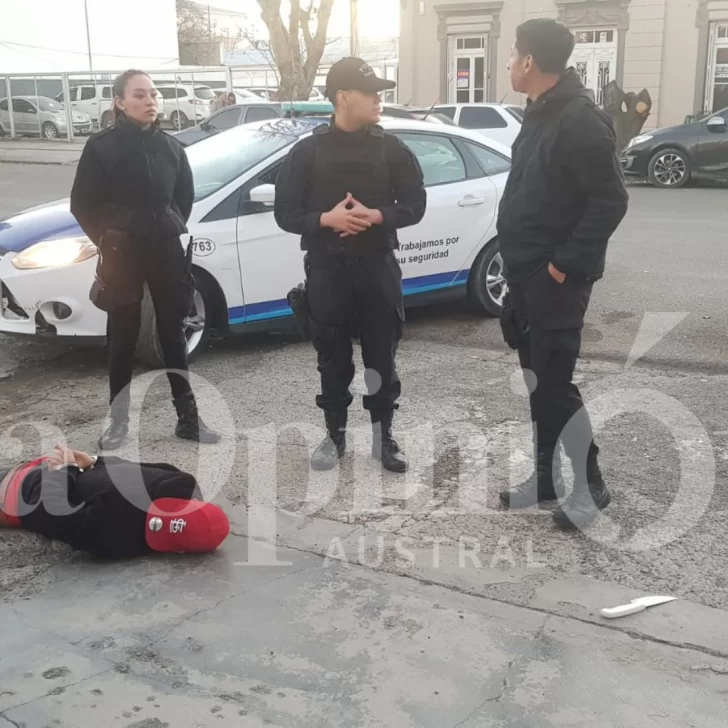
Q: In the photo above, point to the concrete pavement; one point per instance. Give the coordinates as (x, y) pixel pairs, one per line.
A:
(196, 642)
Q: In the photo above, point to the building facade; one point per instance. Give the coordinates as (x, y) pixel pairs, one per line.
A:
(457, 50)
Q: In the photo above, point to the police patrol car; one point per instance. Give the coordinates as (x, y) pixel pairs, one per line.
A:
(244, 265)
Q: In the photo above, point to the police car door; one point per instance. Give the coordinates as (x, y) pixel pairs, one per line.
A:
(271, 259)
(461, 206)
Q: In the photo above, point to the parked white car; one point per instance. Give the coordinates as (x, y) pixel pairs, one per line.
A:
(94, 100)
(40, 116)
(185, 104)
(499, 122)
(244, 264)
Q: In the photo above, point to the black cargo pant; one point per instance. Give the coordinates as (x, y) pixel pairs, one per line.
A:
(356, 295)
(126, 265)
(549, 318)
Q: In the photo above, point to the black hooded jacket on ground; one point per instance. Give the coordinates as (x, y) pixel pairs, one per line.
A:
(132, 180)
(101, 510)
(565, 195)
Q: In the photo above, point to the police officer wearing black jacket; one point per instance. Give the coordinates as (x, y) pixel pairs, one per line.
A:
(564, 199)
(347, 190)
(132, 196)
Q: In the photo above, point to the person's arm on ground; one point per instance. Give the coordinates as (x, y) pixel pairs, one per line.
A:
(55, 517)
(593, 160)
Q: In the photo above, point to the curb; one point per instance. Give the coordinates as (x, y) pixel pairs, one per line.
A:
(682, 624)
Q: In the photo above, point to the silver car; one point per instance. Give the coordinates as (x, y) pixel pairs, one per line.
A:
(41, 116)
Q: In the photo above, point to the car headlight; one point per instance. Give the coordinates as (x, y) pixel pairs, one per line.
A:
(55, 253)
(639, 140)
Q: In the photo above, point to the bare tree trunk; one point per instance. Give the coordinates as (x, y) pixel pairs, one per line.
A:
(297, 50)
(629, 111)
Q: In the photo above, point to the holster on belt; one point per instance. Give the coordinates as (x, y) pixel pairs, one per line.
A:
(298, 301)
(110, 285)
(188, 281)
(508, 323)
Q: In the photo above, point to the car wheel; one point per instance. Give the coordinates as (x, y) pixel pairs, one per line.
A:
(669, 169)
(486, 284)
(179, 120)
(50, 130)
(197, 328)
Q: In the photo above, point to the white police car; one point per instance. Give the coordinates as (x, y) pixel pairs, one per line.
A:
(244, 264)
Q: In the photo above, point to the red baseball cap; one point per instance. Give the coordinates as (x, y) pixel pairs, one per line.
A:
(181, 526)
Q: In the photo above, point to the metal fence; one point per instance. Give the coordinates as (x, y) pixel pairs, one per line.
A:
(66, 106)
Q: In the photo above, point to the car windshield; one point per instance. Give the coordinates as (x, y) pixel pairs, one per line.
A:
(205, 93)
(50, 105)
(220, 159)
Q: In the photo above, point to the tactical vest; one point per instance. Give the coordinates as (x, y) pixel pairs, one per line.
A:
(358, 166)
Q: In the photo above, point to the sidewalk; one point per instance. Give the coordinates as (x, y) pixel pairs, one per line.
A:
(40, 151)
(188, 642)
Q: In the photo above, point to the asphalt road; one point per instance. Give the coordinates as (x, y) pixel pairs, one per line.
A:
(668, 257)
(668, 410)
(26, 185)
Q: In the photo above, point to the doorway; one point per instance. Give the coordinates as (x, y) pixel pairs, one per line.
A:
(467, 70)
(716, 95)
(595, 59)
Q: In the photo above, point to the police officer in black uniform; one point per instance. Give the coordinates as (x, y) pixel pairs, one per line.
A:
(347, 190)
(133, 195)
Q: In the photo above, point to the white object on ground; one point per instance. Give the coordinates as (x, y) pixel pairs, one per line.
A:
(635, 606)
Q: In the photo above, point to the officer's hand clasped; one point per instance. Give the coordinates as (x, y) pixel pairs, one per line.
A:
(350, 217)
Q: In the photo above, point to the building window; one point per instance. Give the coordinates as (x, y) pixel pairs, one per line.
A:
(595, 58)
(595, 36)
(716, 97)
(467, 69)
(470, 44)
(604, 77)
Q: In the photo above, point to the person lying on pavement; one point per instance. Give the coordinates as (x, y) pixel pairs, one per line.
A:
(110, 507)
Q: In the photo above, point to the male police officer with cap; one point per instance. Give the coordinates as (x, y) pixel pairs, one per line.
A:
(346, 190)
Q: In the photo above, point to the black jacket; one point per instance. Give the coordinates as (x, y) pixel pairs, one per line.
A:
(135, 181)
(565, 195)
(102, 510)
(375, 167)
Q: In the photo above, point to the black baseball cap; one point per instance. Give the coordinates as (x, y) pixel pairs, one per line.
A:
(355, 74)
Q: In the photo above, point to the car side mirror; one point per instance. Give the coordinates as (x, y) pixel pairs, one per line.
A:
(264, 194)
(717, 123)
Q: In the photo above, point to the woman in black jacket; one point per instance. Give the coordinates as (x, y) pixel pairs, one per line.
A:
(132, 196)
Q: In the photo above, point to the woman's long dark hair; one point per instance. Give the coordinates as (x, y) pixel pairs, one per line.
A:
(119, 89)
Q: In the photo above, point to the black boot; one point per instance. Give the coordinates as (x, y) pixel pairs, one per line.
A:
(589, 497)
(116, 433)
(546, 485)
(189, 424)
(384, 448)
(328, 453)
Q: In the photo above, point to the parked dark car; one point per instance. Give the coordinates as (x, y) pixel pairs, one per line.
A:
(671, 157)
(232, 116)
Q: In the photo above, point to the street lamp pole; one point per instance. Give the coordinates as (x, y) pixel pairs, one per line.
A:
(354, 17)
(88, 37)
